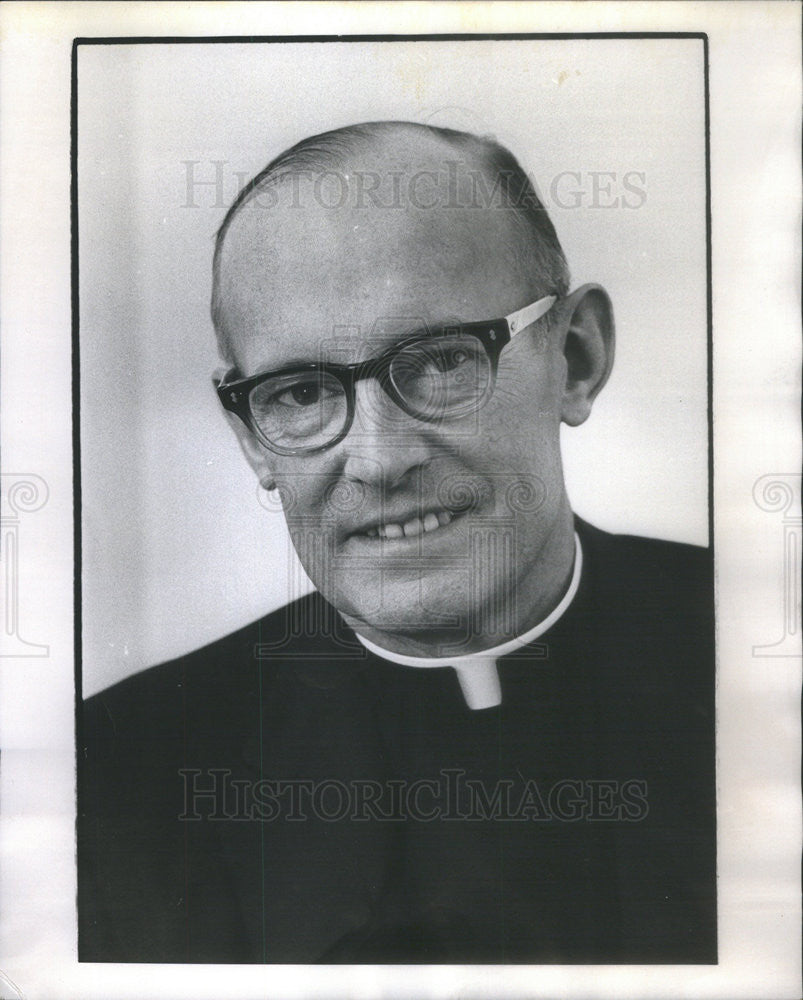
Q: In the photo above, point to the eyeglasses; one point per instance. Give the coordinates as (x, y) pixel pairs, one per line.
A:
(448, 373)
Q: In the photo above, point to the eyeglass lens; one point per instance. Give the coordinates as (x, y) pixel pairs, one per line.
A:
(442, 377)
(300, 411)
(446, 376)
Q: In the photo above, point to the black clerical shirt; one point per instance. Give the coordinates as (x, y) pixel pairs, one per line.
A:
(284, 795)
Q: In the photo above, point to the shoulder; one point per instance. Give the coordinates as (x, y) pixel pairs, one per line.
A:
(652, 597)
(647, 609)
(647, 554)
(631, 563)
(226, 676)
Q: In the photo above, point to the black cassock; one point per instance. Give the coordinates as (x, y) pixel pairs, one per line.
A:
(283, 795)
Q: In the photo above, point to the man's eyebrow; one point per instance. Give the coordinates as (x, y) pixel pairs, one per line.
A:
(419, 326)
(292, 363)
(415, 328)
(380, 345)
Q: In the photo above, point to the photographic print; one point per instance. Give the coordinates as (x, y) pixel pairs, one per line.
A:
(400, 500)
(381, 664)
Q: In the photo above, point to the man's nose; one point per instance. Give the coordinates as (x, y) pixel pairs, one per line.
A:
(384, 444)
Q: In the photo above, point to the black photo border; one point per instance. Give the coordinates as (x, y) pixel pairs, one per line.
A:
(79, 42)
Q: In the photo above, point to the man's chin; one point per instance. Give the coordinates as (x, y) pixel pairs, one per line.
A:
(435, 611)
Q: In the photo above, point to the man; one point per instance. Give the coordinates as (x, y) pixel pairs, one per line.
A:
(488, 735)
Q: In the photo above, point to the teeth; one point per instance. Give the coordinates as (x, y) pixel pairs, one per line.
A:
(415, 526)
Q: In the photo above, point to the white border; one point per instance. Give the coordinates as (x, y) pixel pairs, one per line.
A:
(755, 87)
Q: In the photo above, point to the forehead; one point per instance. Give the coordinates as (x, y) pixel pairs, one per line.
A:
(317, 260)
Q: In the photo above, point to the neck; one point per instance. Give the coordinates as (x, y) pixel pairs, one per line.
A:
(533, 596)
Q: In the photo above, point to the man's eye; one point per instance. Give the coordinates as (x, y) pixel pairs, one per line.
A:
(455, 358)
(302, 394)
(447, 359)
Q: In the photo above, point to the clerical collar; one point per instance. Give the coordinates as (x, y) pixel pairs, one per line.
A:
(477, 672)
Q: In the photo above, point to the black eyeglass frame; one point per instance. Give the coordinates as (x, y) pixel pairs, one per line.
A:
(494, 335)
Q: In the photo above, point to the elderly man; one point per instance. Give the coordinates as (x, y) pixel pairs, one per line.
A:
(488, 735)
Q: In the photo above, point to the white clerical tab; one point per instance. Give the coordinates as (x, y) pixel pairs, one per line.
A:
(479, 682)
(477, 672)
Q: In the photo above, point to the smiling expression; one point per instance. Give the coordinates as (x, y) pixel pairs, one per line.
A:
(430, 537)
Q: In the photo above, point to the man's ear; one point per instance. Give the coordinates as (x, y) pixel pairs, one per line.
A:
(588, 349)
(257, 456)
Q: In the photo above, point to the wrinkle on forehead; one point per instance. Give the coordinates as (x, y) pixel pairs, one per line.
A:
(289, 258)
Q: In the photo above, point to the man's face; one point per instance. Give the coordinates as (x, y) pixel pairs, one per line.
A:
(470, 507)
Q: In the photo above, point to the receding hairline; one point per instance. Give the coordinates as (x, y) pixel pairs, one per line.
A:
(338, 147)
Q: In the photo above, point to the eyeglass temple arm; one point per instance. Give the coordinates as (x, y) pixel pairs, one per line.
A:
(517, 321)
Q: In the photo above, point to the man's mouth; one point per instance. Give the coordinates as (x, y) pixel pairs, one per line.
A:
(412, 526)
